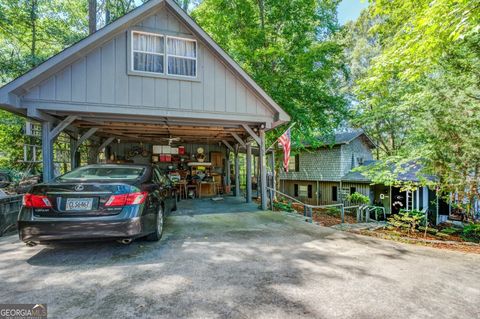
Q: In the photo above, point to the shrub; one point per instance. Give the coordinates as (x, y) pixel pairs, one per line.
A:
(286, 207)
(407, 220)
(357, 198)
(471, 232)
(333, 211)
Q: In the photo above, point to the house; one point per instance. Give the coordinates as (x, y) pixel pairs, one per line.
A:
(322, 175)
(151, 86)
(327, 175)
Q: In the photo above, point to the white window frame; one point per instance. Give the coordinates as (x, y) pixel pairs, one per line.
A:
(133, 51)
(182, 57)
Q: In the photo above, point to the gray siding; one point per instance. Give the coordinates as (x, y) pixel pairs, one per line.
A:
(355, 149)
(100, 81)
(322, 164)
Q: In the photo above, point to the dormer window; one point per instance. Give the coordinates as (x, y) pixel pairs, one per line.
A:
(148, 52)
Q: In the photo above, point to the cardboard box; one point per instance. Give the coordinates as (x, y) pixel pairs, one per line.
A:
(157, 149)
(174, 150)
(181, 150)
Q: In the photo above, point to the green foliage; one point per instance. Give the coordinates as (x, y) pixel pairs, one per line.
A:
(417, 91)
(11, 140)
(286, 207)
(357, 198)
(407, 220)
(289, 49)
(333, 211)
(471, 232)
(32, 31)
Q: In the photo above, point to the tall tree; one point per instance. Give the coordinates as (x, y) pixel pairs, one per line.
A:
(92, 16)
(426, 75)
(288, 48)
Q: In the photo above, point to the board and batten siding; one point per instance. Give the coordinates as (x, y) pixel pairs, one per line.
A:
(100, 78)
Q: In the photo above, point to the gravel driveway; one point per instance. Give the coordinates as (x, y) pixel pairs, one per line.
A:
(231, 261)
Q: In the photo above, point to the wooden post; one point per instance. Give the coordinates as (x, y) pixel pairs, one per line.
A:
(237, 172)
(263, 171)
(47, 152)
(274, 182)
(228, 180)
(249, 172)
(73, 150)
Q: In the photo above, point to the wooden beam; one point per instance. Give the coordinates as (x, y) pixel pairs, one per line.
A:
(61, 126)
(239, 140)
(252, 133)
(263, 171)
(228, 145)
(85, 136)
(105, 144)
(237, 172)
(47, 152)
(249, 172)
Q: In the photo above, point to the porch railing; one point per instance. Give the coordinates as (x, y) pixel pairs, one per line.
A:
(308, 208)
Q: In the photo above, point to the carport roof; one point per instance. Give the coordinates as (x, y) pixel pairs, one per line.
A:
(9, 94)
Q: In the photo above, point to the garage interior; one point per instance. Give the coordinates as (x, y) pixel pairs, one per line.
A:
(202, 160)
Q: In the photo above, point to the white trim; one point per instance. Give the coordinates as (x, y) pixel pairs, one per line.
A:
(133, 51)
(167, 55)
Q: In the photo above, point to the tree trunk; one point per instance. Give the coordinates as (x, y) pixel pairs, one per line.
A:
(33, 21)
(92, 16)
(107, 12)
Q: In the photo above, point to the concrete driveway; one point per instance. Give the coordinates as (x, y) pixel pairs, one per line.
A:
(231, 261)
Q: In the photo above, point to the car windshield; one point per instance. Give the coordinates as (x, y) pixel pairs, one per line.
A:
(104, 173)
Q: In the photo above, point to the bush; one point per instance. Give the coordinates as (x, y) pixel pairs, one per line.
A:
(471, 232)
(286, 207)
(333, 211)
(357, 198)
(407, 220)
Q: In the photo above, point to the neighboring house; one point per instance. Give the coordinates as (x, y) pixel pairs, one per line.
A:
(316, 175)
(327, 175)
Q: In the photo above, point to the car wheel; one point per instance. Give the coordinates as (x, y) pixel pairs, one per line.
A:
(157, 234)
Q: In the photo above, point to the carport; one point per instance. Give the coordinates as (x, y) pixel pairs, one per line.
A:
(152, 77)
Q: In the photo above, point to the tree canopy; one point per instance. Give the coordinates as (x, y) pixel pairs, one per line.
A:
(289, 49)
(419, 94)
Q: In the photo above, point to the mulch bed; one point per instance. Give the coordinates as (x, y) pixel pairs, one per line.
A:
(450, 243)
(323, 218)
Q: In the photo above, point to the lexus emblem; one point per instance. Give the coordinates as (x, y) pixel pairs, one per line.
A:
(79, 188)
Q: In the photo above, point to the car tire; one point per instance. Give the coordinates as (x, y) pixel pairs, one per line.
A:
(159, 223)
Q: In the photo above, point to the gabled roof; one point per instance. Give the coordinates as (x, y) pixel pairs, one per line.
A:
(344, 138)
(67, 56)
(409, 173)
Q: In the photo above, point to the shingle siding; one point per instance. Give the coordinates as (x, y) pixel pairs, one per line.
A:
(327, 165)
(322, 164)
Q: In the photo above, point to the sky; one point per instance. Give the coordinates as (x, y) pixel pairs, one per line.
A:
(349, 10)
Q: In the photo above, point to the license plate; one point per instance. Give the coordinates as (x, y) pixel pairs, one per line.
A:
(76, 204)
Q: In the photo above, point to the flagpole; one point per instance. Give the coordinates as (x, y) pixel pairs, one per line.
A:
(276, 140)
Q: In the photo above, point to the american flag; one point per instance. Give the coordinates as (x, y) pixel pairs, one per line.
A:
(285, 141)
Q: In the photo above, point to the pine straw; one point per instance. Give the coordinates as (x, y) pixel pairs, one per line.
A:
(451, 243)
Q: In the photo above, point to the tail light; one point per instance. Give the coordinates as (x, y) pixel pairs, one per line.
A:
(36, 201)
(127, 199)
